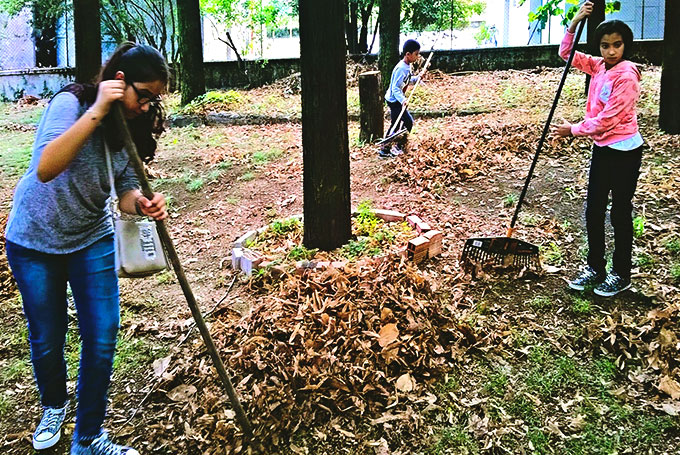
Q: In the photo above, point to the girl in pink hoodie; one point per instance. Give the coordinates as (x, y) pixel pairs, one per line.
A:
(611, 122)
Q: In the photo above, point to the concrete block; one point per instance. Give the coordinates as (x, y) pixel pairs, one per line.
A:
(246, 238)
(418, 249)
(389, 215)
(413, 221)
(236, 255)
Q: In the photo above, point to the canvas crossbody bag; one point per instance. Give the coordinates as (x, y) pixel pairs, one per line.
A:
(139, 251)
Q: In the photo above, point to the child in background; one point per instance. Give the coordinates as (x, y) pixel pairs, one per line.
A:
(611, 122)
(395, 97)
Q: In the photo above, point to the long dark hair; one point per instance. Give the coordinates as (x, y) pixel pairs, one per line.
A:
(139, 63)
(616, 26)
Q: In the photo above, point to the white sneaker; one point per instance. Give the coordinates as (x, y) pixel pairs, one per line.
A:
(49, 429)
(396, 150)
(101, 446)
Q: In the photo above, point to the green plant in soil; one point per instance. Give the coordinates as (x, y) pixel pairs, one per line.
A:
(300, 253)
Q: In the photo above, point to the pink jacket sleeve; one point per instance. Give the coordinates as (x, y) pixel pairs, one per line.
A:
(622, 100)
(584, 62)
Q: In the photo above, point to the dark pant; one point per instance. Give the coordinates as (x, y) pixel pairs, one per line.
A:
(615, 171)
(42, 280)
(395, 110)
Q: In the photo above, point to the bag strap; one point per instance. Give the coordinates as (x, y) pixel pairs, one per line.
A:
(113, 197)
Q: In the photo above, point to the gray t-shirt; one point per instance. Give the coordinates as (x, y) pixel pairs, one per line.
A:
(69, 212)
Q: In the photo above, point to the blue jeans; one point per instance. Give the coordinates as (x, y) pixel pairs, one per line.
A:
(406, 119)
(42, 279)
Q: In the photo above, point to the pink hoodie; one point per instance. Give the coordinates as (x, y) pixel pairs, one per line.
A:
(610, 111)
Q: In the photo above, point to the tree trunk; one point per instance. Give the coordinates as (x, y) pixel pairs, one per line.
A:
(595, 19)
(351, 21)
(192, 77)
(88, 37)
(388, 18)
(669, 108)
(363, 34)
(325, 143)
(45, 43)
(370, 99)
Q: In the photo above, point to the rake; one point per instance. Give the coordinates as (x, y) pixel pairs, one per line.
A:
(507, 251)
(394, 133)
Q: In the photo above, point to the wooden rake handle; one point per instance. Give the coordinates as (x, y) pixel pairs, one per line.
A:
(137, 164)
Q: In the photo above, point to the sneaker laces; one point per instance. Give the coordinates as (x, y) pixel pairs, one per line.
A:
(51, 420)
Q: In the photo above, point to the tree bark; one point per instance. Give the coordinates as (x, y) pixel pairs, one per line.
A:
(370, 99)
(88, 37)
(191, 77)
(325, 143)
(363, 34)
(669, 107)
(388, 18)
(351, 22)
(595, 19)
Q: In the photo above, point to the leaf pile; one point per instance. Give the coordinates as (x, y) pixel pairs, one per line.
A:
(338, 343)
(472, 151)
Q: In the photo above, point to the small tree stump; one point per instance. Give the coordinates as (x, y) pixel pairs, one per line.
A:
(370, 99)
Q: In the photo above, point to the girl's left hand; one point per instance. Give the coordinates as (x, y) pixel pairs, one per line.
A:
(563, 130)
(155, 208)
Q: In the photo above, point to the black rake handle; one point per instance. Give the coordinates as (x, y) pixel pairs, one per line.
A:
(546, 128)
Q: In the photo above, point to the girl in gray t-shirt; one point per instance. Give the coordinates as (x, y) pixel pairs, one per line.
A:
(59, 231)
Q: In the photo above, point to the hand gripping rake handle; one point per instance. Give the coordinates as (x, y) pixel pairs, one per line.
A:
(408, 100)
(546, 128)
(136, 162)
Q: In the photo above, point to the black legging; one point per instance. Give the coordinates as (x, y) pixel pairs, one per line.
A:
(616, 171)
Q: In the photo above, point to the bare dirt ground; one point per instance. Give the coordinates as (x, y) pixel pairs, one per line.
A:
(503, 364)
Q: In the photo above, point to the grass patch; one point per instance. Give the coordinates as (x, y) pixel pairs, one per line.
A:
(553, 254)
(247, 177)
(135, 354)
(455, 437)
(639, 226)
(17, 369)
(510, 200)
(675, 272)
(283, 227)
(16, 149)
(265, 156)
(195, 185)
(673, 246)
(580, 306)
(540, 302)
(300, 253)
(496, 384)
(214, 100)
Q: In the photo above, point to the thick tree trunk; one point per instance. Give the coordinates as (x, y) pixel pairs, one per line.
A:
(595, 19)
(370, 99)
(388, 18)
(325, 144)
(192, 77)
(669, 108)
(88, 37)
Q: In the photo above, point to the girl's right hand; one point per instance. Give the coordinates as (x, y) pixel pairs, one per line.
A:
(109, 91)
(583, 12)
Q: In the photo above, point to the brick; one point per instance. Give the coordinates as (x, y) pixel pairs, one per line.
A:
(338, 264)
(389, 215)
(418, 249)
(413, 220)
(236, 255)
(322, 265)
(435, 237)
(422, 227)
(245, 239)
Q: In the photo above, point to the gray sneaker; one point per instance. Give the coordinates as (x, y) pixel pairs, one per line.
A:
(587, 279)
(101, 446)
(49, 429)
(612, 285)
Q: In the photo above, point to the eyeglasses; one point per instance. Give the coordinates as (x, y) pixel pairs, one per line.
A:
(144, 97)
